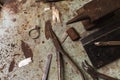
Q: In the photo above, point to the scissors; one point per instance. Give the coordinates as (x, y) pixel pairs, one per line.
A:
(35, 30)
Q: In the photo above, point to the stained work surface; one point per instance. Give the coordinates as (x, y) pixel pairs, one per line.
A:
(18, 18)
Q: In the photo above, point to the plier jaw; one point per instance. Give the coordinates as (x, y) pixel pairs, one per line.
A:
(94, 74)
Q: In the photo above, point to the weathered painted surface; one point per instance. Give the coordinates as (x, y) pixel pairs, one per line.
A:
(17, 18)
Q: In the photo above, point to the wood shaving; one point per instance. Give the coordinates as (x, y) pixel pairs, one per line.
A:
(24, 62)
(55, 15)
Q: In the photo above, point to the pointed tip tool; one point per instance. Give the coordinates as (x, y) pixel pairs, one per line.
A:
(79, 17)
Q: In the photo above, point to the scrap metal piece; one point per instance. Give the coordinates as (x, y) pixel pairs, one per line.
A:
(94, 74)
(95, 10)
(108, 43)
(60, 49)
(72, 33)
(47, 67)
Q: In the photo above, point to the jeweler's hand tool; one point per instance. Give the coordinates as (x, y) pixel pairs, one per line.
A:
(47, 67)
(95, 10)
(35, 33)
(59, 48)
(94, 74)
(108, 43)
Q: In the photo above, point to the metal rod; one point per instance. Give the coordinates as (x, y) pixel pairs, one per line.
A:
(108, 43)
(60, 66)
(47, 67)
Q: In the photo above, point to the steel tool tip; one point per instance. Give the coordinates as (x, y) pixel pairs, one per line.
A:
(97, 43)
(78, 18)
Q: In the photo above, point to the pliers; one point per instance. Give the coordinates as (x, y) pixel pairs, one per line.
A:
(94, 74)
(60, 49)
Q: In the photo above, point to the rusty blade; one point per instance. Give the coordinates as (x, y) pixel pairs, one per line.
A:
(61, 50)
(47, 67)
